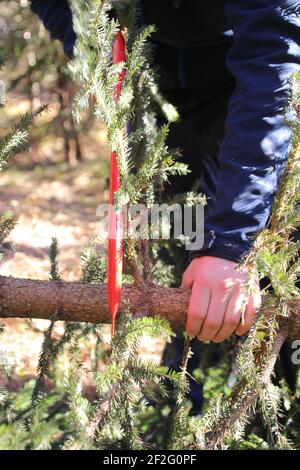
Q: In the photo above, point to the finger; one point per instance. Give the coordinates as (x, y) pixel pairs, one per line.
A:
(214, 317)
(187, 279)
(251, 309)
(198, 308)
(232, 317)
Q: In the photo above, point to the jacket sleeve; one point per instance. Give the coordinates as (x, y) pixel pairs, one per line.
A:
(264, 56)
(57, 18)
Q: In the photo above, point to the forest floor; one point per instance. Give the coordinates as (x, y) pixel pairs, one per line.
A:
(49, 200)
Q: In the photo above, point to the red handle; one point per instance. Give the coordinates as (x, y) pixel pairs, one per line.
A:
(115, 219)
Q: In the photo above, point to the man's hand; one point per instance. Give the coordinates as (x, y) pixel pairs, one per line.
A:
(217, 298)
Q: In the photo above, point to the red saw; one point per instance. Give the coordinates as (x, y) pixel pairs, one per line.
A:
(115, 219)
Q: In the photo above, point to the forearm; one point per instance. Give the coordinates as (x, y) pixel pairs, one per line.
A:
(254, 153)
(57, 18)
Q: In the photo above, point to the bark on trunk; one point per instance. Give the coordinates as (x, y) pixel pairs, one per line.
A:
(71, 301)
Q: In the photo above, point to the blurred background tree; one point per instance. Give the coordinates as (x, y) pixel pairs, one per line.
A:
(36, 72)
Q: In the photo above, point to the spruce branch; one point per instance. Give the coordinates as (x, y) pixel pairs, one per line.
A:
(54, 270)
(49, 350)
(17, 137)
(243, 397)
(7, 224)
(180, 432)
(44, 365)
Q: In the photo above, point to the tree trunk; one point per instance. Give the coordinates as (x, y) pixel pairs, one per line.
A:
(71, 301)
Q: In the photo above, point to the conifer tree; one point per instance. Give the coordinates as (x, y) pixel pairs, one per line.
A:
(274, 254)
(134, 405)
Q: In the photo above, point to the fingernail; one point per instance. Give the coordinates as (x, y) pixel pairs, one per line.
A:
(191, 336)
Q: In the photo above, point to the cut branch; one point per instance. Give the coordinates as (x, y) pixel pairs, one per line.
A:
(71, 301)
(27, 298)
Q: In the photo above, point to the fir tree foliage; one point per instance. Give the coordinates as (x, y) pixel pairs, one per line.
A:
(17, 137)
(96, 32)
(133, 407)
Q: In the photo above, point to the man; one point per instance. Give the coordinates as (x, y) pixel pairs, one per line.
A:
(227, 66)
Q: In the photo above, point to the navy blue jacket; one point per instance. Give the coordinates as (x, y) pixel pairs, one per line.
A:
(264, 53)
